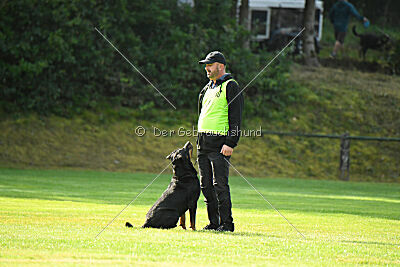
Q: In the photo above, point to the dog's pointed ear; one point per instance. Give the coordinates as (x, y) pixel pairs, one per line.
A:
(188, 146)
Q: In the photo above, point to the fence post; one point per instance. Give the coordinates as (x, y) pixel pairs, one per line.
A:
(345, 157)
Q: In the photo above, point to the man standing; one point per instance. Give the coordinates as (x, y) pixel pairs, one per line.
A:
(339, 15)
(220, 107)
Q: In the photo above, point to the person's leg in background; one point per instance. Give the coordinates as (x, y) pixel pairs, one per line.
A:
(339, 37)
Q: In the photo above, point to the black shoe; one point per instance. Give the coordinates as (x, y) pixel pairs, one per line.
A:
(226, 227)
(127, 224)
(211, 227)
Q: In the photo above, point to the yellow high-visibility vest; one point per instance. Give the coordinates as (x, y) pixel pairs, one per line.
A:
(214, 111)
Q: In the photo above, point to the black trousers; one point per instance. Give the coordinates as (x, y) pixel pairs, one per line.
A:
(214, 172)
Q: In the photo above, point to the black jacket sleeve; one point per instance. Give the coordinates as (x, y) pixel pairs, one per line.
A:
(235, 106)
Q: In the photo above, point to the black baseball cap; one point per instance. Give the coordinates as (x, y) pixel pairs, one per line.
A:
(213, 57)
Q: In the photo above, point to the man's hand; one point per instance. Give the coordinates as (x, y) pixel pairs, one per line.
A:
(226, 150)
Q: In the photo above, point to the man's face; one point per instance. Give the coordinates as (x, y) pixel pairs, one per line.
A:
(213, 70)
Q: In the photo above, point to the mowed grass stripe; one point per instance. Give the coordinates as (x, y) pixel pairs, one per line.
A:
(52, 217)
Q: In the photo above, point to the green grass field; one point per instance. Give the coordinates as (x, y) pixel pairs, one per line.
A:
(52, 218)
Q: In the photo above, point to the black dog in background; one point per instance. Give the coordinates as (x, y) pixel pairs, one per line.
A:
(181, 195)
(371, 41)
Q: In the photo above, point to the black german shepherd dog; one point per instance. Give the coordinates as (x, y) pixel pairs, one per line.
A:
(371, 41)
(181, 195)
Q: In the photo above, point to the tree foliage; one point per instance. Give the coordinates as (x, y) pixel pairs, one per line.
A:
(53, 61)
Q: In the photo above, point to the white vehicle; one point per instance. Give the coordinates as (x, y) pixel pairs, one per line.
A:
(270, 16)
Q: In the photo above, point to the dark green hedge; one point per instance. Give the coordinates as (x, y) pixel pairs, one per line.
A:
(53, 61)
(394, 57)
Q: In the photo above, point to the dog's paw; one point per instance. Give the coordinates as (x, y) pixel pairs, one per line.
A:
(127, 224)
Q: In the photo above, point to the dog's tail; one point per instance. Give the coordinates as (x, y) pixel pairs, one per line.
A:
(354, 31)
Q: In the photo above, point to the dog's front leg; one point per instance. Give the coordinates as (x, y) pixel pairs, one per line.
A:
(183, 221)
(192, 213)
